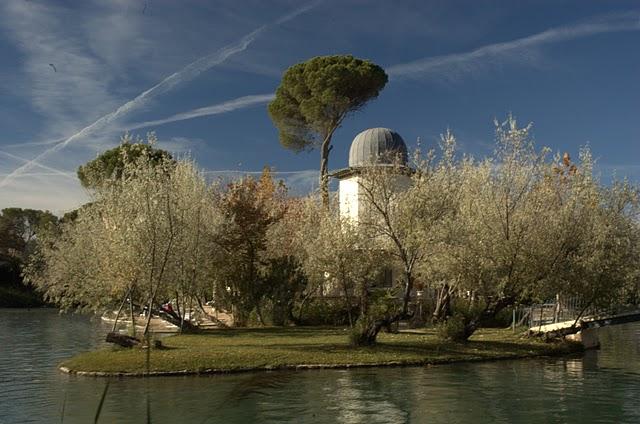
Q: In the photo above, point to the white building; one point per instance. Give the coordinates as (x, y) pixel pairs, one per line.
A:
(373, 147)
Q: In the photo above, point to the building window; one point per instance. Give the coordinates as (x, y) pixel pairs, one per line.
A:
(385, 278)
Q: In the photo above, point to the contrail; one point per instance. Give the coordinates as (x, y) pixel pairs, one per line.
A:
(185, 74)
(48, 168)
(217, 109)
(46, 174)
(440, 64)
(35, 143)
(228, 106)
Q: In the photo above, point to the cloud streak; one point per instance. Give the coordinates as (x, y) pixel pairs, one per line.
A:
(470, 61)
(52, 171)
(187, 73)
(224, 107)
(217, 109)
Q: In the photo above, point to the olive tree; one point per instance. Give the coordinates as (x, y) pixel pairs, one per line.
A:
(314, 98)
(499, 243)
(603, 266)
(142, 238)
(337, 257)
(406, 211)
(526, 228)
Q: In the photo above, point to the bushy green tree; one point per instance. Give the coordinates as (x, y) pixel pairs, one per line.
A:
(314, 98)
(19, 230)
(20, 233)
(112, 163)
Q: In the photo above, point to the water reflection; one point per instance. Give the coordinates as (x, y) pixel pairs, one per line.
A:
(600, 386)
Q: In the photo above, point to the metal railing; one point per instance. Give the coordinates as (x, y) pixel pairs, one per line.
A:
(560, 309)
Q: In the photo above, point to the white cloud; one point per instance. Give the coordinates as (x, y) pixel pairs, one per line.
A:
(217, 109)
(185, 74)
(78, 86)
(56, 193)
(224, 107)
(180, 145)
(52, 171)
(459, 64)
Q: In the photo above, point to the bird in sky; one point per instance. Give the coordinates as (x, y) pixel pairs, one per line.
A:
(54, 67)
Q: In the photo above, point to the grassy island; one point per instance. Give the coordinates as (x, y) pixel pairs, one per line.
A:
(237, 350)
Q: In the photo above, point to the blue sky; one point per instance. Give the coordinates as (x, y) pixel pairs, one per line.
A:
(200, 73)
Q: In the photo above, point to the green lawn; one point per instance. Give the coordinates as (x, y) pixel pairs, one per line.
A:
(279, 348)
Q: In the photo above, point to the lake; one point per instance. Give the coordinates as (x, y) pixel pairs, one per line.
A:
(597, 387)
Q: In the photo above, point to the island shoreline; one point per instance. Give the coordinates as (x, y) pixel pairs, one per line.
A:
(546, 350)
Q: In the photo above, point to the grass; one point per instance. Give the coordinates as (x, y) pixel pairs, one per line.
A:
(305, 347)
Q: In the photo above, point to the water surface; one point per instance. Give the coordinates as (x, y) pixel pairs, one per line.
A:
(598, 387)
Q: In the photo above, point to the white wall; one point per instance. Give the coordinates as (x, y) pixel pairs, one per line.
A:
(349, 189)
(352, 209)
(351, 206)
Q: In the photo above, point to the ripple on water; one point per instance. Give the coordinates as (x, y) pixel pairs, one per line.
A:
(598, 387)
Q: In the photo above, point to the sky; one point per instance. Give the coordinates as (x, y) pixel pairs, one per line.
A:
(76, 75)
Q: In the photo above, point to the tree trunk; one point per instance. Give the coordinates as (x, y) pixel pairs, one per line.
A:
(407, 292)
(443, 304)
(369, 333)
(211, 317)
(348, 301)
(324, 170)
(124, 300)
(240, 316)
(489, 312)
(148, 321)
(177, 320)
(133, 317)
(368, 337)
(122, 340)
(259, 314)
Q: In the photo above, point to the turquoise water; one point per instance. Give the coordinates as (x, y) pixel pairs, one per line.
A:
(599, 387)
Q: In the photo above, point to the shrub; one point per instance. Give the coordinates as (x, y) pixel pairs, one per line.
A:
(357, 334)
(325, 311)
(452, 329)
(501, 320)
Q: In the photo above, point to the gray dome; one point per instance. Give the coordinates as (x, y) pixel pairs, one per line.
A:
(377, 146)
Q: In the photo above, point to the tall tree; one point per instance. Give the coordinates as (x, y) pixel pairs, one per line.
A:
(500, 243)
(145, 238)
(338, 257)
(315, 96)
(19, 229)
(112, 162)
(249, 209)
(406, 218)
(526, 229)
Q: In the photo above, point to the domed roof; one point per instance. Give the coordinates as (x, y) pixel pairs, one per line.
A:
(377, 146)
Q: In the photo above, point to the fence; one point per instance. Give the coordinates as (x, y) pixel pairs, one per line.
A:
(557, 310)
